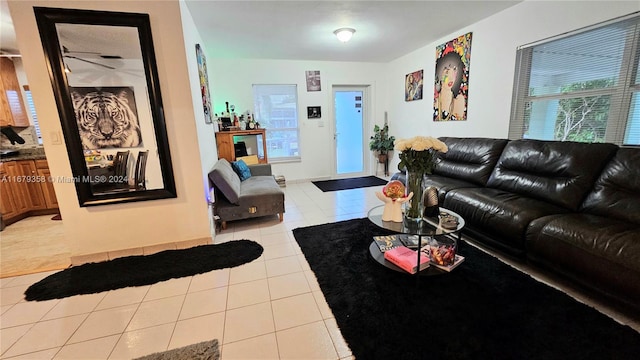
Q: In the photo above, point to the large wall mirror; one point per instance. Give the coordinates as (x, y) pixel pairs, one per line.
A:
(104, 76)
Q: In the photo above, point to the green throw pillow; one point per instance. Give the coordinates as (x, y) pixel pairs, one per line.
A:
(241, 168)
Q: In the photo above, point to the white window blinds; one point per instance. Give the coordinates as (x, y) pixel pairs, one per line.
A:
(582, 86)
(276, 109)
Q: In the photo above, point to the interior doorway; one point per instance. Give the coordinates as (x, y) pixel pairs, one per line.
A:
(351, 109)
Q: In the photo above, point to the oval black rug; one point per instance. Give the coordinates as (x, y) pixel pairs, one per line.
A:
(143, 269)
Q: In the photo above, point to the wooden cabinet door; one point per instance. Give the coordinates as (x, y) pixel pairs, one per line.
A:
(12, 110)
(47, 189)
(35, 196)
(17, 187)
(7, 207)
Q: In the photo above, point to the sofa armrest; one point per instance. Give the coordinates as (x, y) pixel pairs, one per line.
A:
(260, 170)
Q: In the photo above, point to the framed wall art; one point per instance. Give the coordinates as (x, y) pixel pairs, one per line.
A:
(313, 112)
(413, 86)
(451, 88)
(313, 80)
(204, 84)
(120, 130)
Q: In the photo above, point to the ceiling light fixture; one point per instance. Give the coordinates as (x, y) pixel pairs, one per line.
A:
(344, 34)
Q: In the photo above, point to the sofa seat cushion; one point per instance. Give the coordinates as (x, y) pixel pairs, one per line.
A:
(257, 187)
(560, 173)
(502, 214)
(614, 240)
(598, 252)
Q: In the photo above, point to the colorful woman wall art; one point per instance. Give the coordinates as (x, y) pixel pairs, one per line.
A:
(452, 79)
(204, 84)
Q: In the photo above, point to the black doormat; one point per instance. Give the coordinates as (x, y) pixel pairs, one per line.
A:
(143, 269)
(483, 309)
(351, 183)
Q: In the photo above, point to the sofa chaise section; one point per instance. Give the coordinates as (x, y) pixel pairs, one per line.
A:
(599, 246)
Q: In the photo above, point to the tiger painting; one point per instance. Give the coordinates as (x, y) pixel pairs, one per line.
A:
(106, 120)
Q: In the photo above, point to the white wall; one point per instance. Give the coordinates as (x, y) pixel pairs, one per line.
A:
(120, 226)
(492, 67)
(205, 132)
(232, 80)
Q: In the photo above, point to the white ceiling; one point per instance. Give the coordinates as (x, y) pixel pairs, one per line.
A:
(303, 30)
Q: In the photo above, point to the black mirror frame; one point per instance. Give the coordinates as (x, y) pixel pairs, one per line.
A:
(47, 18)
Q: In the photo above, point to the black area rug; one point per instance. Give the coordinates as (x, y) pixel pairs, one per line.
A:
(483, 309)
(143, 269)
(351, 183)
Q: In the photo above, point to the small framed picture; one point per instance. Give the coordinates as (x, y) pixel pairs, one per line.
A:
(413, 86)
(313, 80)
(313, 112)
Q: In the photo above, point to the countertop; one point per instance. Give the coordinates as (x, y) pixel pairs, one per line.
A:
(26, 154)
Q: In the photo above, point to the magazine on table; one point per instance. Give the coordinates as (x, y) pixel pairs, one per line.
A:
(411, 241)
(387, 242)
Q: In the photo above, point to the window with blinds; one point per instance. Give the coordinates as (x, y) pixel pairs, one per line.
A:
(276, 109)
(582, 86)
(34, 116)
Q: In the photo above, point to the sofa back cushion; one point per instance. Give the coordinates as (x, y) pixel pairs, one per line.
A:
(561, 173)
(470, 159)
(617, 190)
(226, 181)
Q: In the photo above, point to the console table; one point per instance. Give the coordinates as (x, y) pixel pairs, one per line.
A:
(225, 143)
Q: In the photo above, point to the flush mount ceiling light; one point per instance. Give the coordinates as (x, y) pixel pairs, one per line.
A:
(344, 34)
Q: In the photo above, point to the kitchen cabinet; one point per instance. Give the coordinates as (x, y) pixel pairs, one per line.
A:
(7, 206)
(12, 110)
(47, 187)
(33, 183)
(18, 188)
(25, 190)
(225, 143)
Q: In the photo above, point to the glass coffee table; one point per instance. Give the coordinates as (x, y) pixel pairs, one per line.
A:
(424, 230)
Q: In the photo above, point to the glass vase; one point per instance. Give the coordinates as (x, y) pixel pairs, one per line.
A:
(413, 207)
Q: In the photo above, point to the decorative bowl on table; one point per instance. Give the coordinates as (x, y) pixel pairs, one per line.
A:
(442, 250)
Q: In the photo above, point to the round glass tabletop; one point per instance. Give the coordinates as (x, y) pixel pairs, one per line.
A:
(427, 226)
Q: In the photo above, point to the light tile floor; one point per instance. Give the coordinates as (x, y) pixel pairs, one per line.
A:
(271, 308)
(18, 241)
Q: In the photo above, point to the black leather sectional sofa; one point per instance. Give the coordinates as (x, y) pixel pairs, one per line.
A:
(572, 208)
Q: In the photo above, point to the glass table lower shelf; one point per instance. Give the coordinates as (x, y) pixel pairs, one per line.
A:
(425, 230)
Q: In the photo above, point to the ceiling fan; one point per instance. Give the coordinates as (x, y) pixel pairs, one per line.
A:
(67, 53)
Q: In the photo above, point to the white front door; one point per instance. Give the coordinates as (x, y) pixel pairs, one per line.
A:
(350, 109)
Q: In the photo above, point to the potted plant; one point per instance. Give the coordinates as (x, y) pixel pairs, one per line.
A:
(381, 142)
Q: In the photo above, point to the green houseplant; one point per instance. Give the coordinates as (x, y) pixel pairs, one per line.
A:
(381, 142)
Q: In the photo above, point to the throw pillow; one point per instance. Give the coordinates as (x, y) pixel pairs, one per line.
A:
(241, 168)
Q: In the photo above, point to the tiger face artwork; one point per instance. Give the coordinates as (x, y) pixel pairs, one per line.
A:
(105, 117)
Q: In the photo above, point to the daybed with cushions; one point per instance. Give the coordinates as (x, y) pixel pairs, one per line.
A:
(235, 199)
(572, 208)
